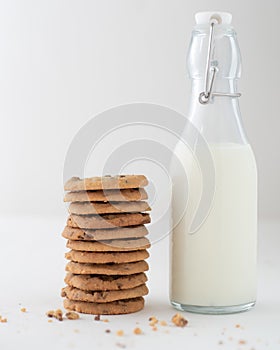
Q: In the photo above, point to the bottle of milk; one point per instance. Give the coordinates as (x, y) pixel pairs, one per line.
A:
(214, 194)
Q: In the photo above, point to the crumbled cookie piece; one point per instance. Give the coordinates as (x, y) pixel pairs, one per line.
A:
(163, 323)
(72, 315)
(105, 320)
(3, 320)
(23, 309)
(56, 314)
(97, 318)
(152, 318)
(237, 326)
(107, 331)
(242, 342)
(153, 321)
(50, 321)
(179, 320)
(50, 313)
(137, 330)
(120, 333)
(154, 328)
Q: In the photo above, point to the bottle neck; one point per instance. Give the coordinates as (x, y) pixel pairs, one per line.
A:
(219, 121)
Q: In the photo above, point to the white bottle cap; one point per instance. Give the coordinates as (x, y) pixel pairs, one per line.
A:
(220, 17)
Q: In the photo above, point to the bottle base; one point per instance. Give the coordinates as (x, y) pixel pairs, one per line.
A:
(214, 310)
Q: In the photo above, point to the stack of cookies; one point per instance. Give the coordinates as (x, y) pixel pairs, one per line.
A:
(107, 238)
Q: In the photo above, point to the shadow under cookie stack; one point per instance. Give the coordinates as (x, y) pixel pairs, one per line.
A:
(106, 233)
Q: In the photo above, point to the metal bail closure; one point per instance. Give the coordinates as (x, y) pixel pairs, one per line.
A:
(210, 73)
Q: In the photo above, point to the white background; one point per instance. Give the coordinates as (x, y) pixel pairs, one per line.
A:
(61, 62)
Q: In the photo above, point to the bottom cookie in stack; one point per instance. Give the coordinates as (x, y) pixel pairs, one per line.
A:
(118, 307)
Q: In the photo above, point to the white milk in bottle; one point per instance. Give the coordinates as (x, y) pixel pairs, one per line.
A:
(213, 267)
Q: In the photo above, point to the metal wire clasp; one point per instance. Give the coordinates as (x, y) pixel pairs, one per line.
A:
(210, 73)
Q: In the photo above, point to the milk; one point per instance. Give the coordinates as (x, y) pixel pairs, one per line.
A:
(216, 265)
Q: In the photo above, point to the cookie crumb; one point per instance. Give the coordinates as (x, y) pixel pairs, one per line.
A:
(56, 314)
(242, 342)
(71, 315)
(179, 320)
(153, 318)
(50, 321)
(154, 328)
(137, 330)
(23, 309)
(50, 313)
(3, 320)
(237, 326)
(107, 331)
(163, 323)
(97, 318)
(105, 320)
(153, 321)
(120, 333)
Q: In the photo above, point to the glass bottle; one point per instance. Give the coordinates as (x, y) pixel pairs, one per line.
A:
(213, 265)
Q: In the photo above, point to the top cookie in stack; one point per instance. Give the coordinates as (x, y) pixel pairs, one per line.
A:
(106, 235)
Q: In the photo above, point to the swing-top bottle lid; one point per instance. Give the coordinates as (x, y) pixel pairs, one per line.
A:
(218, 17)
(225, 53)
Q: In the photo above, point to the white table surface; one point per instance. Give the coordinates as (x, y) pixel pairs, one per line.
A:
(32, 271)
